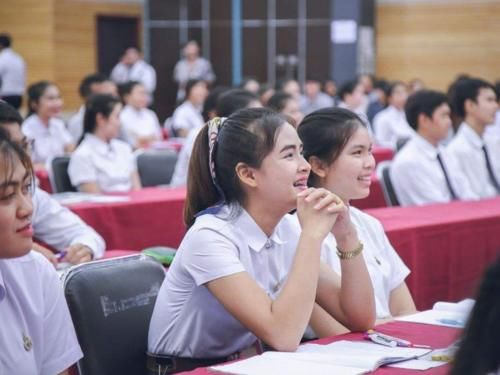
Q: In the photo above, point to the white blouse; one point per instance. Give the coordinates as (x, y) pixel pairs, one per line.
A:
(110, 165)
(49, 141)
(137, 124)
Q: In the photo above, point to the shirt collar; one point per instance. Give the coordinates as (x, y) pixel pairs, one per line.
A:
(256, 238)
(97, 144)
(470, 135)
(425, 146)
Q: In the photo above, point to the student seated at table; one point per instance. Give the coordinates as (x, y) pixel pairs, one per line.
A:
(52, 223)
(390, 125)
(42, 126)
(423, 171)
(243, 272)
(101, 163)
(188, 116)
(37, 335)
(338, 147)
(140, 125)
(479, 157)
(479, 352)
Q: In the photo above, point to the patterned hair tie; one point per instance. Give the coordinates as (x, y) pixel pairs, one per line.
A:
(214, 127)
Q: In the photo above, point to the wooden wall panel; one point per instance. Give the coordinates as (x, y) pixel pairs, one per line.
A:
(438, 41)
(29, 22)
(76, 44)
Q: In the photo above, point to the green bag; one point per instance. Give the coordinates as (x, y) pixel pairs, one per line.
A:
(164, 255)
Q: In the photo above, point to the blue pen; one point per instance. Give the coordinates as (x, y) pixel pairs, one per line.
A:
(451, 322)
(61, 255)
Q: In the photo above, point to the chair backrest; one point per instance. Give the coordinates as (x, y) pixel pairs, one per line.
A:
(111, 302)
(156, 167)
(60, 177)
(383, 174)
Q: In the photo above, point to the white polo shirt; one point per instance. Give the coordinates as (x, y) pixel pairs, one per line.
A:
(187, 116)
(36, 335)
(188, 321)
(387, 270)
(109, 165)
(418, 178)
(12, 73)
(390, 125)
(49, 140)
(75, 124)
(60, 228)
(138, 124)
(466, 149)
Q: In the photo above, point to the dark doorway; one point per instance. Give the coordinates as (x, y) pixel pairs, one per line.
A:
(114, 35)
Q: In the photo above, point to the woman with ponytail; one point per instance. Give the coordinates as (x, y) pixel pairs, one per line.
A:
(243, 273)
(102, 163)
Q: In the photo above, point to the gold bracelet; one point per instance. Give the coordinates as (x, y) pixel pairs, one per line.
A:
(350, 254)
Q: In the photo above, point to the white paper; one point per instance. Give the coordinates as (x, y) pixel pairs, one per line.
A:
(436, 317)
(343, 31)
(417, 364)
(276, 363)
(465, 306)
(76, 197)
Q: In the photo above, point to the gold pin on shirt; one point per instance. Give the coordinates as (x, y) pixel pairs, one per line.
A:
(28, 344)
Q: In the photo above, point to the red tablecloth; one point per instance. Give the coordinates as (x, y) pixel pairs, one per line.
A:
(382, 153)
(446, 246)
(152, 217)
(375, 199)
(43, 179)
(435, 336)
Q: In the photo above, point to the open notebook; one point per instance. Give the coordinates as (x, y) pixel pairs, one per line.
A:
(339, 358)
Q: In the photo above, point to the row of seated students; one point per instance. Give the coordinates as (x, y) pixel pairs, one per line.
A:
(246, 271)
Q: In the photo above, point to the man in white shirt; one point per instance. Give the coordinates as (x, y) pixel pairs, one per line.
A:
(92, 84)
(133, 68)
(390, 125)
(479, 157)
(52, 223)
(423, 172)
(191, 66)
(12, 73)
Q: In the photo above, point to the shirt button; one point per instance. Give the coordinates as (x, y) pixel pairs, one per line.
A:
(268, 244)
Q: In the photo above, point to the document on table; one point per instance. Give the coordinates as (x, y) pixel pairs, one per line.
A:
(75, 197)
(341, 357)
(445, 314)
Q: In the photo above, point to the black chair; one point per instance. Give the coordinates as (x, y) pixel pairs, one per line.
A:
(156, 167)
(111, 302)
(383, 175)
(60, 177)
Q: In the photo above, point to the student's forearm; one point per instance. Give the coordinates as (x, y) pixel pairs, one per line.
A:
(300, 290)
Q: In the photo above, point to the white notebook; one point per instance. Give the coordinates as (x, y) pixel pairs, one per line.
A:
(446, 314)
(339, 358)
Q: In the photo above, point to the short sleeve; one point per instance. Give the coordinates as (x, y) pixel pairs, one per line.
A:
(81, 169)
(180, 119)
(209, 255)
(60, 345)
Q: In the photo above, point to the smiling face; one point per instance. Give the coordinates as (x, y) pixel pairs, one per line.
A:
(50, 103)
(284, 172)
(15, 209)
(349, 176)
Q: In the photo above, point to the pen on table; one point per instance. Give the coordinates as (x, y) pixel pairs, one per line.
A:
(381, 338)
